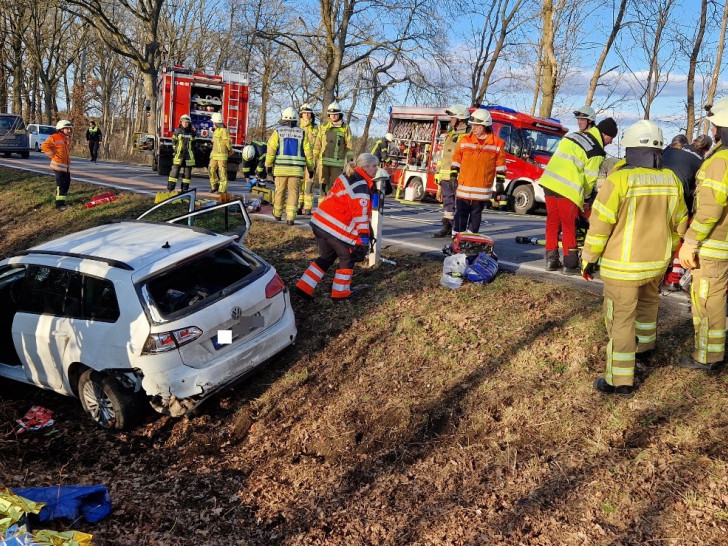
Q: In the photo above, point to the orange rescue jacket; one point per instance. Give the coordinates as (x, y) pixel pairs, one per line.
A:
(478, 162)
(347, 209)
(57, 147)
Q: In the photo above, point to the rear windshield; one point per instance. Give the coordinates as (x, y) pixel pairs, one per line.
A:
(8, 123)
(197, 283)
(46, 129)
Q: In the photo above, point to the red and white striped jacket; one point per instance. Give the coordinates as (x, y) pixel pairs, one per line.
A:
(347, 209)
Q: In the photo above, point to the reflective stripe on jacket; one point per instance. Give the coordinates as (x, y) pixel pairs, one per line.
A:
(444, 164)
(573, 169)
(182, 146)
(709, 228)
(635, 224)
(257, 164)
(347, 209)
(312, 130)
(57, 147)
(290, 151)
(478, 160)
(333, 146)
(221, 147)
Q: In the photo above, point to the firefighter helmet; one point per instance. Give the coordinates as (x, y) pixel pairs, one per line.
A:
(216, 118)
(459, 111)
(643, 134)
(333, 108)
(248, 152)
(389, 137)
(185, 117)
(289, 114)
(305, 109)
(718, 113)
(585, 112)
(64, 124)
(481, 116)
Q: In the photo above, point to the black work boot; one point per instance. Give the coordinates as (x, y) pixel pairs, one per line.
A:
(185, 187)
(446, 229)
(571, 262)
(552, 260)
(625, 391)
(691, 363)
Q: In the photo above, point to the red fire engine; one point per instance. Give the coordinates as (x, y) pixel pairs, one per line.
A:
(181, 91)
(419, 133)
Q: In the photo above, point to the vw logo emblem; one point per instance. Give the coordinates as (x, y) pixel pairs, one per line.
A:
(236, 313)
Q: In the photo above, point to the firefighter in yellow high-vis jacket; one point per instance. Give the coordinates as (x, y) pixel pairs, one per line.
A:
(635, 226)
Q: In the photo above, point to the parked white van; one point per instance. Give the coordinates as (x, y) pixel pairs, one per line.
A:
(38, 134)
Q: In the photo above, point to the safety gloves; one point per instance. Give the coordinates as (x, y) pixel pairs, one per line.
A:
(587, 270)
(687, 255)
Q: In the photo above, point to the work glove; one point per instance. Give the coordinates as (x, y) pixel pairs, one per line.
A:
(438, 195)
(687, 255)
(587, 270)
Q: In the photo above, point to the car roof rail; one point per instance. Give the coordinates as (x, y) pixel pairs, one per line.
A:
(109, 261)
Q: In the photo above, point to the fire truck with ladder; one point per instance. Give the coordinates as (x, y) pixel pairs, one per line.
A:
(180, 91)
(420, 131)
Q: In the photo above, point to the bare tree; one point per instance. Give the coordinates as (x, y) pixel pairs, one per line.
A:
(697, 43)
(16, 19)
(616, 27)
(718, 62)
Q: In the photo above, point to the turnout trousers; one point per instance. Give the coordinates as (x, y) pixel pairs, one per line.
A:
(630, 315)
(561, 214)
(305, 197)
(63, 183)
(448, 198)
(174, 174)
(330, 248)
(708, 298)
(218, 175)
(286, 192)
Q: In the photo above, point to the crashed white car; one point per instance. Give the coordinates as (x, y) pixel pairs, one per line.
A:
(166, 311)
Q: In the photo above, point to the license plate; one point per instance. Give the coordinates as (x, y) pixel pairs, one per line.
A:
(241, 329)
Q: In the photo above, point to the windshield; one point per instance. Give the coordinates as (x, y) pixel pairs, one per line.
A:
(540, 142)
(46, 129)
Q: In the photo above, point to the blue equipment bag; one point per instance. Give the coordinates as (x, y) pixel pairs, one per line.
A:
(481, 268)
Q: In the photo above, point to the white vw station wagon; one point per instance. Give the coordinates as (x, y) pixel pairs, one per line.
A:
(140, 312)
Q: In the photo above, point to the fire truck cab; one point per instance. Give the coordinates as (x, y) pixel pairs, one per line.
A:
(180, 91)
(420, 131)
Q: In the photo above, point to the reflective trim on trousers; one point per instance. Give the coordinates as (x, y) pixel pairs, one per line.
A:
(310, 279)
(341, 287)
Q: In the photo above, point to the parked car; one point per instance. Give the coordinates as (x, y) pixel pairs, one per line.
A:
(134, 313)
(39, 134)
(13, 136)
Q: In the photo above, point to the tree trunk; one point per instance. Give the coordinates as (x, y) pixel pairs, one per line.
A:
(549, 65)
(690, 127)
(718, 61)
(605, 51)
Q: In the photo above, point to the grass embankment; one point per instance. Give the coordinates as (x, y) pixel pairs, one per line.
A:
(417, 415)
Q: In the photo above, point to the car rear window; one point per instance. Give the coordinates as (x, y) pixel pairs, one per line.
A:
(196, 283)
(10, 122)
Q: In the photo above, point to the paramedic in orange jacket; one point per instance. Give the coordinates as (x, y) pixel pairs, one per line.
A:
(58, 148)
(341, 227)
(479, 160)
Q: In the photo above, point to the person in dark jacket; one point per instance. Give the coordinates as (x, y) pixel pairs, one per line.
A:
(93, 136)
(254, 159)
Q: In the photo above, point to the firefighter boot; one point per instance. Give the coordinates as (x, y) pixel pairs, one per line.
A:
(552, 260)
(185, 187)
(446, 229)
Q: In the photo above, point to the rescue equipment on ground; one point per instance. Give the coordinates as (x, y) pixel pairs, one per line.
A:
(470, 244)
(100, 199)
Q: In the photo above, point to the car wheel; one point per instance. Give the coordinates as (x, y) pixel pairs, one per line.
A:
(37, 148)
(7, 154)
(419, 188)
(25, 155)
(523, 199)
(108, 402)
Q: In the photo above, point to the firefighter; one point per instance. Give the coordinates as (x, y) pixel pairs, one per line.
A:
(568, 182)
(705, 249)
(585, 118)
(221, 150)
(635, 225)
(93, 137)
(57, 147)
(446, 184)
(479, 159)
(307, 122)
(381, 150)
(333, 148)
(184, 158)
(253, 157)
(290, 151)
(341, 227)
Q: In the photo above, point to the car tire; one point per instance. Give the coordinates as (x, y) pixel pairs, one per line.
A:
(523, 199)
(108, 402)
(37, 148)
(7, 154)
(25, 155)
(419, 188)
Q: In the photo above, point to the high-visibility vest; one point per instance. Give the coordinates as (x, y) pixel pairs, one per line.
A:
(57, 148)
(333, 145)
(573, 169)
(709, 228)
(635, 224)
(221, 146)
(347, 209)
(289, 152)
(478, 161)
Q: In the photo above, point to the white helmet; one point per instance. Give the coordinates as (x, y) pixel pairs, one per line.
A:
(481, 116)
(333, 108)
(585, 112)
(643, 134)
(63, 124)
(216, 117)
(185, 117)
(389, 137)
(459, 111)
(381, 174)
(289, 114)
(305, 108)
(718, 113)
(248, 152)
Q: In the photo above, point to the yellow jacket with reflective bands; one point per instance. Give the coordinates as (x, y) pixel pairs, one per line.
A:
(221, 147)
(290, 151)
(573, 169)
(709, 228)
(635, 225)
(444, 164)
(333, 145)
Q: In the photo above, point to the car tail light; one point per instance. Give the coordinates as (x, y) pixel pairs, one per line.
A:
(274, 287)
(168, 341)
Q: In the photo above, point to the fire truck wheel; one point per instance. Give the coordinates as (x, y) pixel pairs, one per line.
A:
(523, 199)
(154, 163)
(419, 188)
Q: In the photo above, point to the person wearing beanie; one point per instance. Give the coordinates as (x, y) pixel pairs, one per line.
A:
(634, 227)
(568, 183)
